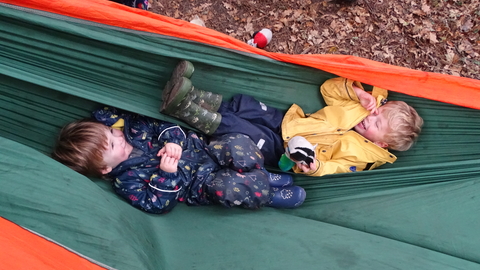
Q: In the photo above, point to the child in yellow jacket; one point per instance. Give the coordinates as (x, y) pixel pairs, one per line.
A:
(355, 129)
(352, 133)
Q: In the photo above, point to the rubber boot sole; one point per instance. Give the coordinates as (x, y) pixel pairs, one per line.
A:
(177, 94)
(183, 69)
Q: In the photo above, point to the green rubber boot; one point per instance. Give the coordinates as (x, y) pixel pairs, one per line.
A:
(199, 117)
(183, 69)
(205, 99)
(181, 105)
(177, 93)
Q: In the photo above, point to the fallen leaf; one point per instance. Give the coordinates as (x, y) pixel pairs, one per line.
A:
(314, 33)
(278, 26)
(325, 32)
(402, 21)
(433, 37)
(287, 12)
(205, 6)
(317, 41)
(466, 26)
(450, 56)
(419, 12)
(249, 27)
(294, 28)
(332, 49)
(284, 21)
(465, 46)
(426, 8)
(227, 6)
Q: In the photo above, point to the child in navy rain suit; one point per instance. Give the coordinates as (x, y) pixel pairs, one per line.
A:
(227, 170)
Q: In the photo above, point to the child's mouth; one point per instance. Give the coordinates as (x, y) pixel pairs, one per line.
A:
(362, 124)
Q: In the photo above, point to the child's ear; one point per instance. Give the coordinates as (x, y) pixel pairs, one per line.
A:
(106, 170)
(382, 144)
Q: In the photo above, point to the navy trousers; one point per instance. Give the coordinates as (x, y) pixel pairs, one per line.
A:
(244, 114)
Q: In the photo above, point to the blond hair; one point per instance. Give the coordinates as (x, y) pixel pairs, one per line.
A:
(405, 125)
(80, 146)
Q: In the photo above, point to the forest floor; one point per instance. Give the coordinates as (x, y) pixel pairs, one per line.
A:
(440, 36)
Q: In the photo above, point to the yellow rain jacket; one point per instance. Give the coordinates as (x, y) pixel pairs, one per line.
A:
(339, 148)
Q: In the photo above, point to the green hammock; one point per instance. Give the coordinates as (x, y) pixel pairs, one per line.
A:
(419, 213)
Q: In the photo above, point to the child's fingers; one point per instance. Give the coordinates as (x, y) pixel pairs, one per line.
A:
(303, 167)
(168, 164)
(177, 152)
(168, 159)
(161, 152)
(168, 150)
(174, 150)
(175, 163)
(313, 166)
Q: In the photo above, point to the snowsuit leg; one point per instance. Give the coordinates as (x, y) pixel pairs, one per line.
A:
(242, 181)
(248, 189)
(237, 152)
(243, 114)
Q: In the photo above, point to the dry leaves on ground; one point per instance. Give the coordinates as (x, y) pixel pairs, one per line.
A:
(440, 36)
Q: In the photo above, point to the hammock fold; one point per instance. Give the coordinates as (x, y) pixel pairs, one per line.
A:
(62, 59)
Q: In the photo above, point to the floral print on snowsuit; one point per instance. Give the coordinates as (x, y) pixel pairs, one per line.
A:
(228, 170)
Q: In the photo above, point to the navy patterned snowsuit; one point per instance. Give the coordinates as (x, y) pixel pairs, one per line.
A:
(228, 170)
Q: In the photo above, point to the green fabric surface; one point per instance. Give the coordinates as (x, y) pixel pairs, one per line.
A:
(50, 199)
(419, 213)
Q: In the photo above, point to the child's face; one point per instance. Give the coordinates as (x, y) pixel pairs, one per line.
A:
(374, 127)
(118, 149)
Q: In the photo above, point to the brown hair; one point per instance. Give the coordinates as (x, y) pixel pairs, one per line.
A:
(80, 146)
(405, 125)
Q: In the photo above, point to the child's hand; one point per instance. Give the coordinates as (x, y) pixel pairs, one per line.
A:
(168, 164)
(172, 150)
(306, 168)
(366, 100)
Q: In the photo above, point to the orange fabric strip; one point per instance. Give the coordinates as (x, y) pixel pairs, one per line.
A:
(445, 88)
(21, 249)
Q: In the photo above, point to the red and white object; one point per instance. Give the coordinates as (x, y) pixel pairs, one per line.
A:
(261, 38)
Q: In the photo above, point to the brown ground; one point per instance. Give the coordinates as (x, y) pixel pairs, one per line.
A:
(440, 36)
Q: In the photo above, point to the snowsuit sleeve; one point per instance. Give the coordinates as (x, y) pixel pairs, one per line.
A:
(107, 115)
(144, 127)
(156, 193)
